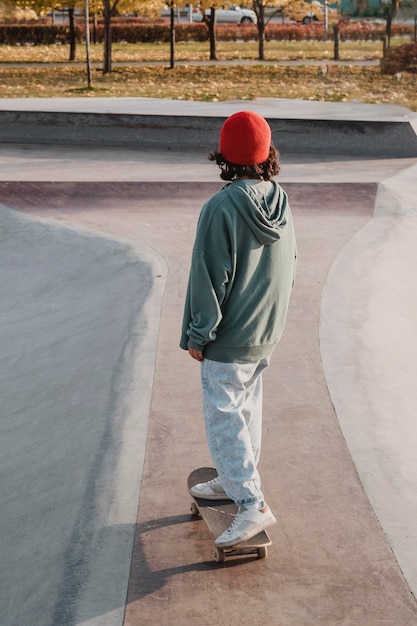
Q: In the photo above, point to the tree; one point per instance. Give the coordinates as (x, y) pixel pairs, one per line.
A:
(151, 8)
(113, 7)
(389, 14)
(172, 36)
(87, 42)
(108, 10)
(259, 7)
(282, 6)
(210, 20)
(209, 17)
(41, 7)
(11, 12)
(71, 20)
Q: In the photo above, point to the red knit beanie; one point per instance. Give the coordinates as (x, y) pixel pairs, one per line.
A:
(245, 139)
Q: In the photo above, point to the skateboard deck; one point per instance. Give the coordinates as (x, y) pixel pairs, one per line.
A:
(218, 515)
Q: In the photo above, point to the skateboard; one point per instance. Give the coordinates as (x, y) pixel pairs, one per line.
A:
(218, 515)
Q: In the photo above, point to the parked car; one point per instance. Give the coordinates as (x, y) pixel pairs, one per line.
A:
(233, 14)
(307, 12)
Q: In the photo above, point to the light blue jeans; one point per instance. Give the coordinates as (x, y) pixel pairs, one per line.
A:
(232, 403)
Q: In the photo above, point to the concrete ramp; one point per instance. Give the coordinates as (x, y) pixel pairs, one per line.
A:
(368, 344)
(76, 363)
(298, 127)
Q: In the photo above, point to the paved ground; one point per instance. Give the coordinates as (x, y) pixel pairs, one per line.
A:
(102, 419)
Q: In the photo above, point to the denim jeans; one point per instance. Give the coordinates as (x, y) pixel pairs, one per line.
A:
(232, 402)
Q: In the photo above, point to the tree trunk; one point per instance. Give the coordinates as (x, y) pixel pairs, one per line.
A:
(390, 13)
(336, 32)
(172, 38)
(261, 38)
(95, 28)
(71, 18)
(388, 28)
(212, 34)
(107, 37)
(258, 7)
(87, 42)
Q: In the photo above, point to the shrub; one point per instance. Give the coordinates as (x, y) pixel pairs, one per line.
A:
(137, 33)
(367, 31)
(191, 32)
(36, 34)
(293, 32)
(140, 30)
(400, 59)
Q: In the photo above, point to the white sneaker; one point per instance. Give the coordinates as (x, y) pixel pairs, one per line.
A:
(212, 490)
(247, 524)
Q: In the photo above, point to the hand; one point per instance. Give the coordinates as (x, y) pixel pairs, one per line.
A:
(195, 354)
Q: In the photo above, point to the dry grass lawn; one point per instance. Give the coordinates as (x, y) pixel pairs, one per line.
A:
(198, 51)
(208, 82)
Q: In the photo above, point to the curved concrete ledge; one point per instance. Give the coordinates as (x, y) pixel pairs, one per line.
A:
(79, 322)
(332, 128)
(368, 336)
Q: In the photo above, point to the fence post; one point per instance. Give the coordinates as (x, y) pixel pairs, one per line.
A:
(336, 42)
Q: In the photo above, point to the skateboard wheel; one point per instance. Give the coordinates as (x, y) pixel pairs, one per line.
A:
(194, 509)
(219, 555)
(262, 552)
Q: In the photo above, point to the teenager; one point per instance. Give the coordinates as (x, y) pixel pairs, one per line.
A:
(240, 281)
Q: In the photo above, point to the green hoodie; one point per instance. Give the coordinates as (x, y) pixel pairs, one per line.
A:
(242, 271)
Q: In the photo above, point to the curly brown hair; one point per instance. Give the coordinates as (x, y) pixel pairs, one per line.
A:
(264, 171)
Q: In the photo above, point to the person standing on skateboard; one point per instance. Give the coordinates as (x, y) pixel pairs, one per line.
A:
(241, 277)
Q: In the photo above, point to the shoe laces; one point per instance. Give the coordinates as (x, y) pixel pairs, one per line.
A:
(213, 481)
(236, 520)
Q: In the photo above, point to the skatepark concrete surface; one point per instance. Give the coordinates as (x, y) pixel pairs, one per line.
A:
(101, 418)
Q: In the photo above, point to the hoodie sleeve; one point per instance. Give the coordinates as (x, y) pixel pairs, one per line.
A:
(209, 281)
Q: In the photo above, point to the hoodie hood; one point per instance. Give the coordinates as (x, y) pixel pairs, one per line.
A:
(263, 205)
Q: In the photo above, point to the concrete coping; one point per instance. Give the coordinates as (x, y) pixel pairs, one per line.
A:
(298, 127)
(275, 108)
